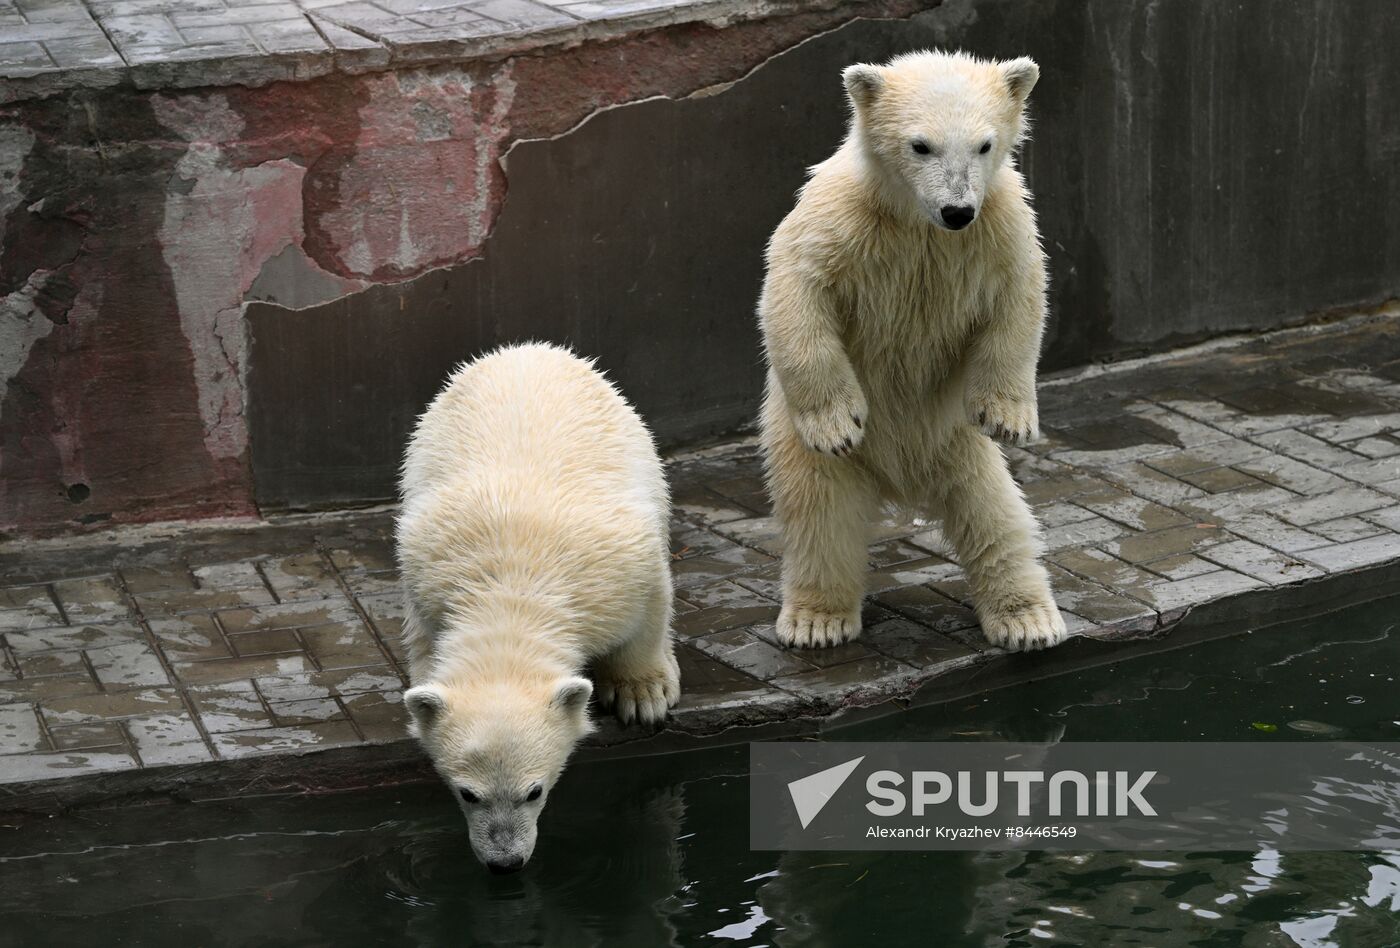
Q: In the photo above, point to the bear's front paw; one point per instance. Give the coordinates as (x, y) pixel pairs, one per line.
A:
(1025, 628)
(835, 428)
(1007, 419)
(644, 699)
(799, 627)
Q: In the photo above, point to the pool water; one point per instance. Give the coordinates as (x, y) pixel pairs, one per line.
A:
(654, 851)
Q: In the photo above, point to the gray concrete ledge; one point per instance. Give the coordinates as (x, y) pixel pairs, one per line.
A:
(1211, 491)
(48, 46)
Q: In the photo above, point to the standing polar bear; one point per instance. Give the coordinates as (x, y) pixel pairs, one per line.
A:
(902, 316)
(533, 540)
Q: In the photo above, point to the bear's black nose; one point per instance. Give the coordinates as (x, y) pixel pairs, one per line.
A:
(501, 867)
(958, 216)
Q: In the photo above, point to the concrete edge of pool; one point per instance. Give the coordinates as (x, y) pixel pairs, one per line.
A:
(768, 717)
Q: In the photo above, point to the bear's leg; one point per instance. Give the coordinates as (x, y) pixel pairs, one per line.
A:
(640, 680)
(987, 520)
(824, 506)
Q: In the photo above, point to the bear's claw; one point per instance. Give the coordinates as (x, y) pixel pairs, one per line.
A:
(1034, 626)
(811, 628)
(643, 700)
(828, 430)
(1008, 420)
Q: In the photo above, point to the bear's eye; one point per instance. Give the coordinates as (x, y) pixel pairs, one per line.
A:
(534, 793)
(468, 796)
(986, 147)
(920, 147)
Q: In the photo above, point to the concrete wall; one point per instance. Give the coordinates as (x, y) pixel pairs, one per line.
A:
(1199, 168)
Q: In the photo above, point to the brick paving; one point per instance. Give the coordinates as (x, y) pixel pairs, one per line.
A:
(182, 43)
(1161, 486)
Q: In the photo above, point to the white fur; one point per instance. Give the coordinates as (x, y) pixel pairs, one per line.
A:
(897, 347)
(533, 540)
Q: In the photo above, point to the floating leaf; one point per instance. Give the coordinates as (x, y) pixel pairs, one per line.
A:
(1261, 726)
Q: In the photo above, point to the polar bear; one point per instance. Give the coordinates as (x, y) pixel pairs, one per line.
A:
(533, 539)
(902, 314)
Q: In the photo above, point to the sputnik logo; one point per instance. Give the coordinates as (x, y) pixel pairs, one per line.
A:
(810, 794)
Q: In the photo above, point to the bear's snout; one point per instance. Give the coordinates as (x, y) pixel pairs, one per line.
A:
(957, 216)
(505, 865)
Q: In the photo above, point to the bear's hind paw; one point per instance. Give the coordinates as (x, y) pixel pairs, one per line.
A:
(643, 700)
(1025, 629)
(1011, 422)
(812, 628)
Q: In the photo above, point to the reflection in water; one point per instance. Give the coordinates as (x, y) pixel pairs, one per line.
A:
(654, 851)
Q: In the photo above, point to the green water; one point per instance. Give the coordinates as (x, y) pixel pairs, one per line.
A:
(654, 851)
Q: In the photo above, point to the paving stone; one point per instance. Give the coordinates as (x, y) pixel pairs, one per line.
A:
(47, 689)
(331, 682)
(374, 584)
(380, 715)
(71, 709)
(1148, 547)
(1274, 533)
(1086, 533)
(1293, 475)
(751, 654)
(1304, 447)
(51, 663)
(1218, 480)
(1132, 511)
(1181, 566)
(107, 734)
(192, 637)
(1381, 447)
(1059, 513)
(343, 645)
(1094, 603)
(234, 706)
(1375, 471)
(236, 744)
(74, 638)
(705, 506)
(892, 553)
(1345, 529)
(704, 569)
(1350, 429)
(928, 608)
(27, 607)
(303, 576)
(19, 729)
(1261, 562)
(1339, 503)
(913, 643)
(1152, 484)
(1354, 555)
(170, 602)
(234, 669)
(167, 739)
(1388, 518)
(695, 542)
(23, 768)
(719, 618)
(91, 600)
(1182, 593)
(239, 575)
(264, 642)
(147, 579)
(723, 593)
(127, 666)
(875, 673)
(287, 615)
(1224, 508)
(306, 711)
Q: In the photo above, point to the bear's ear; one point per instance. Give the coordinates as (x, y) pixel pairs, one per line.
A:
(1021, 75)
(425, 703)
(863, 83)
(572, 694)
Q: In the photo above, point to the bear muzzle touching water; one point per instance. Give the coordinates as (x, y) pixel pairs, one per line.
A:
(533, 543)
(902, 314)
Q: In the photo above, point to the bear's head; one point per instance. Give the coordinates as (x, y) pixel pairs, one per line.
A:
(936, 127)
(501, 747)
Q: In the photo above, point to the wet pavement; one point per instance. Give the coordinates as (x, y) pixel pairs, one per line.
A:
(260, 655)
